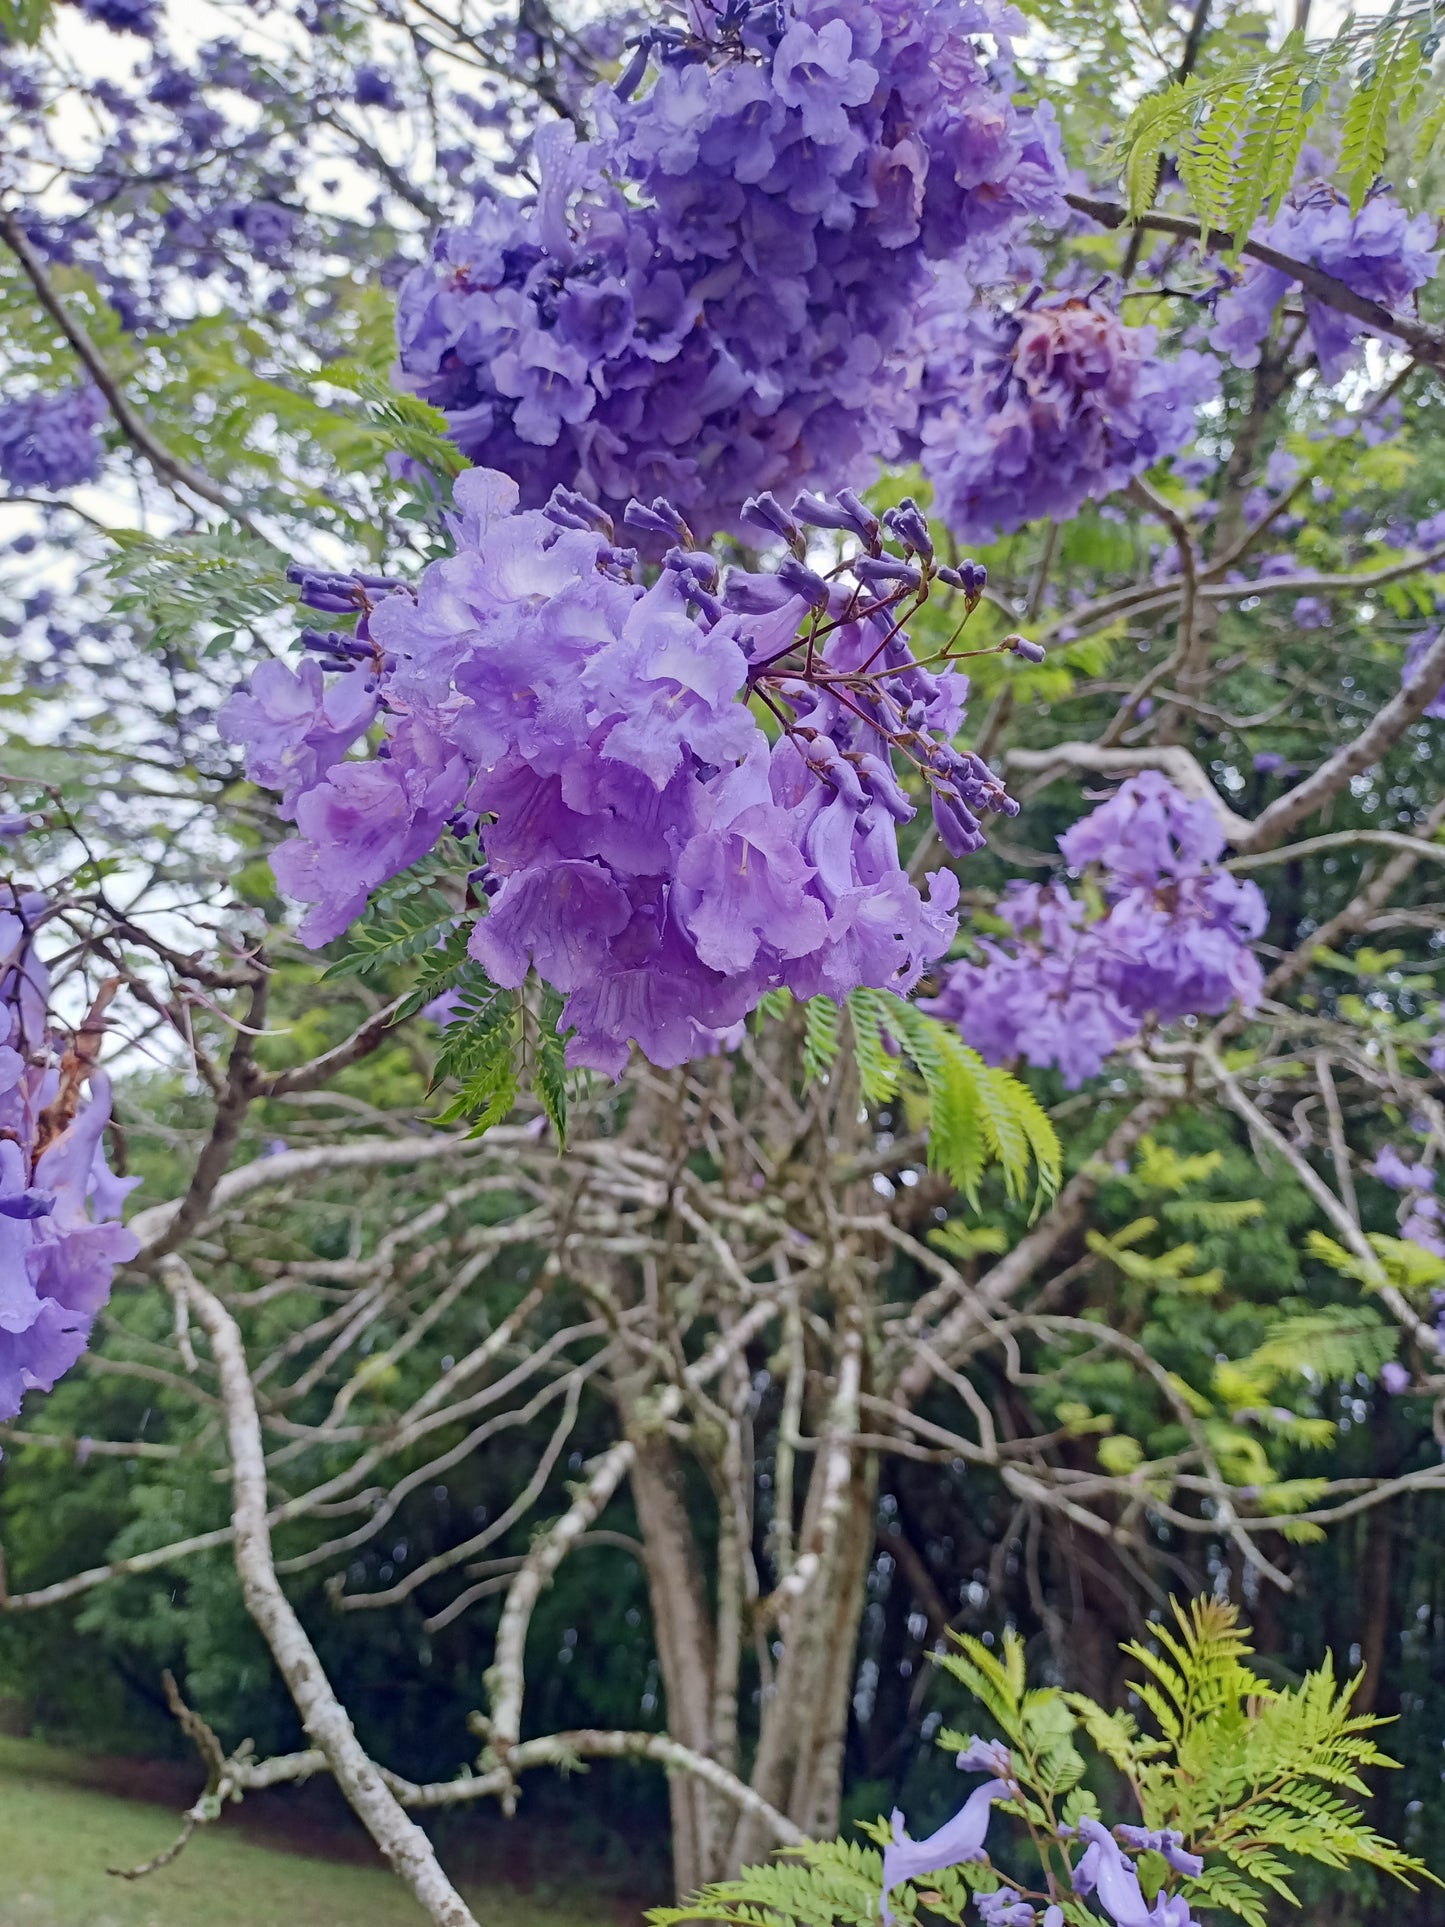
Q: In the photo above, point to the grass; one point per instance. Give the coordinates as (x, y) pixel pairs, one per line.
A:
(58, 1836)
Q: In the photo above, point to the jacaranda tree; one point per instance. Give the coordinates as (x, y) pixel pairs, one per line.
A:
(721, 745)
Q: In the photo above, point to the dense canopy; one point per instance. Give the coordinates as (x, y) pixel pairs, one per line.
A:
(720, 1027)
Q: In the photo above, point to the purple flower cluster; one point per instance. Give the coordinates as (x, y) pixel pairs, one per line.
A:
(1104, 1872)
(1045, 994)
(646, 846)
(49, 441)
(123, 16)
(1312, 612)
(60, 1241)
(1419, 1208)
(1034, 412)
(1382, 253)
(1173, 942)
(715, 296)
(1415, 653)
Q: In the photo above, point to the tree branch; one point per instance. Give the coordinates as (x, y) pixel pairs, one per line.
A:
(1425, 342)
(172, 469)
(322, 1714)
(505, 1678)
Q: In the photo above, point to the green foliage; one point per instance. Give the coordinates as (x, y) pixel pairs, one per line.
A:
(1173, 1267)
(412, 919)
(480, 1051)
(219, 583)
(22, 22)
(976, 1114)
(549, 1066)
(400, 422)
(1400, 1261)
(1248, 1369)
(820, 1037)
(493, 1047)
(1235, 134)
(1249, 1773)
(1331, 1341)
(820, 1881)
(1253, 1777)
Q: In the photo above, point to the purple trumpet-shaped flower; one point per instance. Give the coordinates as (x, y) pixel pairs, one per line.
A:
(956, 1841)
(1167, 1841)
(648, 849)
(59, 1201)
(986, 1756)
(295, 725)
(1004, 1908)
(1106, 1874)
(716, 297)
(1037, 411)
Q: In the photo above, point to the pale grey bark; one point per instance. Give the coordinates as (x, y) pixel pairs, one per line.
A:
(323, 1717)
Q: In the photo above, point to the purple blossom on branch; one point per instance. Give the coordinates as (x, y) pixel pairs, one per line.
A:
(1415, 653)
(1382, 253)
(647, 848)
(49, 441)
(1044, 994)
(956, 1841)
(1173, 941)
(1037, 411)
(123, 16)
(60, 1241)
(1419, 1207)
(716, 295)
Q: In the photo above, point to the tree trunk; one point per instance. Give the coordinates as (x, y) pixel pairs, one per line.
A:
(805, 1718)
(683, 1631)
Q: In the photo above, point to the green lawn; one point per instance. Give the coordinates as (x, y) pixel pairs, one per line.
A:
(58, 1837)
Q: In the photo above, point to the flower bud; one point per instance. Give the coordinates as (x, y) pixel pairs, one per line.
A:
(804, 581)
(767, 512)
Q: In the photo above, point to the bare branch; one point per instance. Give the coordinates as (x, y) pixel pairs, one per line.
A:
(1425, 342)
(505, 1675)
(322, 1714)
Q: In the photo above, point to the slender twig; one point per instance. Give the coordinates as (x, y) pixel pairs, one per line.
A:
(1425, 342)
(173, 469)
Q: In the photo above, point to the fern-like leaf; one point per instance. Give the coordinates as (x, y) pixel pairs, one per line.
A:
(879, 1067)
(208, 587)
(479, 1052)
(1389, 72)
(821, 1041)
(976, 1112)
(395, 929)
(549, 1070)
